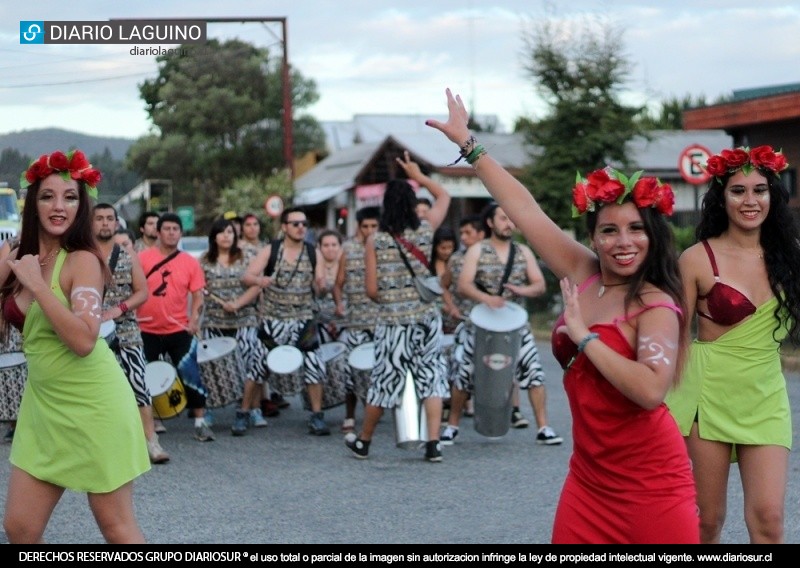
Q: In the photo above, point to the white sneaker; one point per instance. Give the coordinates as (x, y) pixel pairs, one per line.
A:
(159, 427)
(157, 453)
(257, 419)
(448, 437)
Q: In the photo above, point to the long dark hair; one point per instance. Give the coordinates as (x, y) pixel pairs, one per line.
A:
(659, 268)
(212, 254)
(77, 237)
(399, 208)
(780, 240)
(440, 235)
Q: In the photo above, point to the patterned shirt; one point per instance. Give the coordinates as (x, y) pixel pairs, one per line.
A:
(120, 289)
(361, 310)
(398, 299)
(290, 295)
(455, 263)
(491, 269)
(225, 282)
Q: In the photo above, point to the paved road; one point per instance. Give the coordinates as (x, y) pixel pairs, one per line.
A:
(280, 485)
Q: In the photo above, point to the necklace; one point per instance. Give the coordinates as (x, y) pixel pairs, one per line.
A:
(49, 257)
(603, 287)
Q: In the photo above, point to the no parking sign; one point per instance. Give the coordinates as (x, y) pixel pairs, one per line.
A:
(690, 164)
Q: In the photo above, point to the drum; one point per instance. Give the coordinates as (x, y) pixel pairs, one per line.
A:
(498, 340)
(285, 363)
(166, 389)
(333, 389)
(222, 371)
(361, 360)
(108, 331)
(410, 422)
(13, 374)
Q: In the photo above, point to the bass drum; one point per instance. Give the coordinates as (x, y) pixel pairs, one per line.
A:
(498, 340)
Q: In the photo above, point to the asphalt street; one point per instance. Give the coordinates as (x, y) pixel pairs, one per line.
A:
(281, 485)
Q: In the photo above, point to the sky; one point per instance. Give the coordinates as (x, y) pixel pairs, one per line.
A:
(376, 57)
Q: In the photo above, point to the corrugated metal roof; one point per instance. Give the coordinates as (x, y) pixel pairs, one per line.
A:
(759, 92)
(662, 151)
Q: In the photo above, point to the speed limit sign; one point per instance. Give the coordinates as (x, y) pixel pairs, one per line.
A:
(274, 206)
(691, 162)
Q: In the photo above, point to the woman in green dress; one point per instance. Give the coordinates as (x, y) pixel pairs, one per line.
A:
(741, 280)
(78, 426)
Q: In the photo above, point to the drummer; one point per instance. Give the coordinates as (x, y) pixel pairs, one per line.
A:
(288, 271)
(13, 342)
(470, 231)
(408, 333)
(230, 311)
(358, 310)
(126, 292)
(490, 275)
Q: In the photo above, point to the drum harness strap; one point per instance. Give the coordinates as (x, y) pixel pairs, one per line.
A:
(506, 273)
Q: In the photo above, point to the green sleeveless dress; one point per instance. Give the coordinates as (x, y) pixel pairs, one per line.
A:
(734, 387)
(78, 425)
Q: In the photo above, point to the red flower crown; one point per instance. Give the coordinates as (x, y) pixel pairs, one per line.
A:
(612, 186)
(745, 159)
(72, 165)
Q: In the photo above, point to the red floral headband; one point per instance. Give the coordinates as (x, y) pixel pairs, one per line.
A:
(612, 186)
(745, 159)
(72, 165)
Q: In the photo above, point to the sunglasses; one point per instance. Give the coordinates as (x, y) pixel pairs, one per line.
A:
(297, 223)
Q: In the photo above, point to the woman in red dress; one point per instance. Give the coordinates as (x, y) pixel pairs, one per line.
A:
(621, 341)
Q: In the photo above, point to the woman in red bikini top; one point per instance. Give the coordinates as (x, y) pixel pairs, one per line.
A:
(732, 402)
(621, 342)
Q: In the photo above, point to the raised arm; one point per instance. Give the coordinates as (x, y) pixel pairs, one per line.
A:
(441, 204)
(562, 254)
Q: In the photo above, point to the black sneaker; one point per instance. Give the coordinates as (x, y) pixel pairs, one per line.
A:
(448, 437)
(239, 427)
(317, 426)
(279, 401)
(359, 447)
(433, 451)
(548, 437)
(518, 420)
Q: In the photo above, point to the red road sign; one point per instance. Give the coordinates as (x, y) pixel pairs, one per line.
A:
(691, 162)
(274, 206)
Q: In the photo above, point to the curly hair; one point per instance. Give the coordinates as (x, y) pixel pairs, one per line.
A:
(399, 207)
(780, 240)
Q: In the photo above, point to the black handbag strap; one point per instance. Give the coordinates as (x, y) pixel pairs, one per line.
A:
(163, 261)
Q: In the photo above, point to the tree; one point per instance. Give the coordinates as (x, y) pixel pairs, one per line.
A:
(249, 194)
(217, 114)
(12, 164)
(670, 113)
(578, 70)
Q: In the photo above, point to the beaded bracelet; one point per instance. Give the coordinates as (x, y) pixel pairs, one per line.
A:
(587, 339)
(466, 150)
(582, 346)
(123, 307)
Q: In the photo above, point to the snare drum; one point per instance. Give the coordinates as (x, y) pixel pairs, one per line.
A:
(108, 331)
(334, 387)
(221, 369)
(361, 361)
(13, 374)
(166, 389)
(498, 340)
(285, 363)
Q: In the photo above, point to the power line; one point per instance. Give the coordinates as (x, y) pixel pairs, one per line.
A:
(73, 82)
